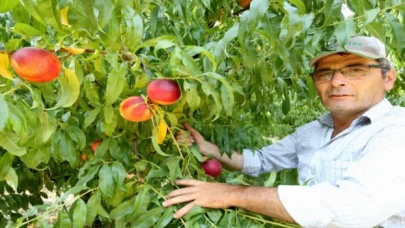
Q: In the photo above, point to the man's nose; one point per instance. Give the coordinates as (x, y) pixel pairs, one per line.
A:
(338, 79)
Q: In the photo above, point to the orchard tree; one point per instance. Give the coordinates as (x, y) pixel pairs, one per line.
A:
(100, 131)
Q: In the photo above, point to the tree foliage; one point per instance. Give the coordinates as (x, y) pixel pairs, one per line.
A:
(244, 74)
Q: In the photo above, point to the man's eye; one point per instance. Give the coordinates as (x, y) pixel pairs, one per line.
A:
(356, 69)
(323, 74)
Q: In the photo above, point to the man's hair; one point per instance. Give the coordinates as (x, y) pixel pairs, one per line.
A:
(386, 66)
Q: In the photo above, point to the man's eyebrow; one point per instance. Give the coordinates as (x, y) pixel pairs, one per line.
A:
(349, 65)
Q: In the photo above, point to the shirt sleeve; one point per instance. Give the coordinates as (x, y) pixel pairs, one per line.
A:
(277, 156)
(371, 191)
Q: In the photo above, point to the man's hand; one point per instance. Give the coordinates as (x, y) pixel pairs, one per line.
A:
(207, 148)
(203, 194)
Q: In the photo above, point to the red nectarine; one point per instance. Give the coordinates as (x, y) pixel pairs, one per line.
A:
(212, 167)
(35, 64)
(135, 109)
(164, 91)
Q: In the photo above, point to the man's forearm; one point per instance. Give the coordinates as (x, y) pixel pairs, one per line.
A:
(261, 200)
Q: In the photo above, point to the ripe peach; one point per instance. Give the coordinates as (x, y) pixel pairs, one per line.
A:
(212, 167)
(35, 64)
(164, 91)
(244, 3)
(95, 144)
(135, 109)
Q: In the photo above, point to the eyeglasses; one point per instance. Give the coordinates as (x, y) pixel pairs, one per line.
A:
(350, 72)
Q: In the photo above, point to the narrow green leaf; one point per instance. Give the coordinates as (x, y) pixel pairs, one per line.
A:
(119, 173)
(49, 11)
(91, 117)
(191, 65)
(377, 30)
(26, 30)
(105, 9)
(83, 179)
(70, 90)
(47, 126)
(286, 106)
(35, 157)
(79, 220)
(12, 179)
(7, 5)
(398, 31)
(125, 208)
(115, 84)
(345, 30)
(174, 168)
(4, 112)
(32, 9)
(9, 142)
(71, 191)
(5, 165)
(271, 180)
(77, 135)
(149, 218)
(93, 206)
(63, 220)
(230, 99)
(300, 5)
(68, 149)
(134, 27)
(142, 200)
(257, 9)
(332, 11)
(165, 219)
(84, 14)
(106, 181)
(156, 144)
(370, 15)
(195, 150)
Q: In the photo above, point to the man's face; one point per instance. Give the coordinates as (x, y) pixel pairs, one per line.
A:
(351, 96)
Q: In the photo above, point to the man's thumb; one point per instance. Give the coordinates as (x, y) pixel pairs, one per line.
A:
(196, 135)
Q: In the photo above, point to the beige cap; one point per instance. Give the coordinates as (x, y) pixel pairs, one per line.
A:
(367, 47)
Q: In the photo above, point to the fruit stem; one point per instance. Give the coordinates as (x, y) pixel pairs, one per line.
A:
(14, 89)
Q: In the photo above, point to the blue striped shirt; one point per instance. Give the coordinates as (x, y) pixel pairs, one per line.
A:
(356, 179)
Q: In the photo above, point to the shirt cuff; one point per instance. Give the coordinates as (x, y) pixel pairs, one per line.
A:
(304, 206)
(251, 163)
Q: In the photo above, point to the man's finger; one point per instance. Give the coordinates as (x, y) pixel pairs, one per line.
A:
(183, 211)
(179, 199)
(189, 182)
(181, 191)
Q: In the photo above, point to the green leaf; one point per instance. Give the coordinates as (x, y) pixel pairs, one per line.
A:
(230, 98)
(70, 90)
(377, 30)
(286, 103)
(156, 144)
(174, 168)
(125, 208)
(115, 84)
(93, 206)
(142, 200)
(77, 135)
(88, 176)
(68, 149)
(106, 181)
(12, 179)
(5, 165)
(4, 112)
(332, 11)
(9, 142)
(119, 173)
(49, 11)
(195, 150)
(47, 126)
(7, 5)
(80, 209)
(257, 9)
(398, 31)
(300, 5)
(63, 220)
(105, 9)
(82, 14)
(370, 15)
(165, 219)
(35, 157)
(91, 117)
(149, 218)
(191, 65)
(134, 27)
(26, 30)
(71, 191)
(345, 30)
(270, 182)
(32, 9)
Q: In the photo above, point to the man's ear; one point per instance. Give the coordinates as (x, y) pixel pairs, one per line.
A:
(390, 78)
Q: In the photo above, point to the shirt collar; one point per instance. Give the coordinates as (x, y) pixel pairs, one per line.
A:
(373, 114)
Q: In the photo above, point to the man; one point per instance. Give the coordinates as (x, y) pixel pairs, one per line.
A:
(351, 158)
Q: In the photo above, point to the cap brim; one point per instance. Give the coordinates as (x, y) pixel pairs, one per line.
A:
(362, 54)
